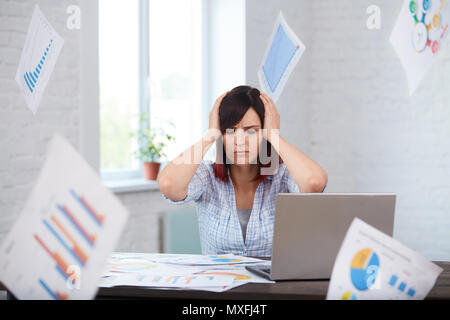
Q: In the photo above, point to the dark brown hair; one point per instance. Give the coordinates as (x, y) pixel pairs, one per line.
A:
(232, 109)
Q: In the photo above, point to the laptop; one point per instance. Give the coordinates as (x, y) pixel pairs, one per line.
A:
(309, 229)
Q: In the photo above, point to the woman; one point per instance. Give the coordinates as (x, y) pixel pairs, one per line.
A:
(235, 196)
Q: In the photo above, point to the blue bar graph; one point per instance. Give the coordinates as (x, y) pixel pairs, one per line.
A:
(411, 292)
(61, 272)
(83, 203)
(29, 79)
(393, 280)
(176, 279)
(28, 84)
(32, 77)
(75, 223)
(402, 286)
(49, 291)
(64, 244)
(55, 295)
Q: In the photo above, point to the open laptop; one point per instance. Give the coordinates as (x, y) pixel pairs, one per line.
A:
(310, 227)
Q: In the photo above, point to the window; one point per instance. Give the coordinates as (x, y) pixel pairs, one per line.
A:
(150, 57)
(175, 40)
(168, 58)
(119, 84)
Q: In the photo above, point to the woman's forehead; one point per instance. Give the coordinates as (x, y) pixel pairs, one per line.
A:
(250, 118)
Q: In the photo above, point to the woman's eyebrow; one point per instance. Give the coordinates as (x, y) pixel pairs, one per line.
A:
(247, 127)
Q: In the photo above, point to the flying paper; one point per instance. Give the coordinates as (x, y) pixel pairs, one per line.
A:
(419, 35)
(371, 265)
(40, 52)
(68, 227)
(214, 273)
(282, 55)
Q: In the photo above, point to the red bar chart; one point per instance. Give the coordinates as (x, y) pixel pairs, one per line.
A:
(68, 227)
(66, 237)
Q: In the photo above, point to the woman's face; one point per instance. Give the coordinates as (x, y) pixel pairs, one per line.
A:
(242, 141)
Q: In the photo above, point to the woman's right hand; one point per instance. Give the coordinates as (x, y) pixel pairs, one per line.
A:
(214, 121)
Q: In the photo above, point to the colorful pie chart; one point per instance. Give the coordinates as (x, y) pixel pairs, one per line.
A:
(364, 269)
(348, 295)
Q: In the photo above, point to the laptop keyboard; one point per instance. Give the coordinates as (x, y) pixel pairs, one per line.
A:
(265, 269)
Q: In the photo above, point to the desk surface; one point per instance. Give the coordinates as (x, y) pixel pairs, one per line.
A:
(304, 289)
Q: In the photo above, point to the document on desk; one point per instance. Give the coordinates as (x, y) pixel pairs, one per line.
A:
(144, 264)
(65, 233)
(166, 281)
(240, 273)
(205, 260)
(39, 55)
(280, 58)
(138, 269)
(371, 265)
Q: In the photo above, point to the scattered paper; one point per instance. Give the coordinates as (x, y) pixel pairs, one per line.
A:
(282, 55)
(218, 289)
(371, 265)
(199, 260)
(419, 35)
(40, 52)
(160, 280)
(240, 275)
(59, 246)
(141, 269)
(145, 264)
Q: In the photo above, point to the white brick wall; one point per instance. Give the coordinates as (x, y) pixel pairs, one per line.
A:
(346, 105)
(349, 99)
(24, 137)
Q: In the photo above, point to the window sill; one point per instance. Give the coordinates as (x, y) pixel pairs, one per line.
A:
(131, 185)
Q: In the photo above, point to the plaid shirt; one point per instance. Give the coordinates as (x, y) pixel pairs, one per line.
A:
(219, 227)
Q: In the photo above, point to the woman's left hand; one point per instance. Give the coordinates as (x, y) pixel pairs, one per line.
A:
(271, 117)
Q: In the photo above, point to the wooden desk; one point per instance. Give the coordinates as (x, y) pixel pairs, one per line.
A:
(285, 290)
(304, 289)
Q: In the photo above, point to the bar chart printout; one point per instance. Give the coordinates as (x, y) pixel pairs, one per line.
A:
(39, 55)
(70, 224)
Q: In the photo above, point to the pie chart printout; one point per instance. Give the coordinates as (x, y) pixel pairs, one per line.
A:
(364, 269)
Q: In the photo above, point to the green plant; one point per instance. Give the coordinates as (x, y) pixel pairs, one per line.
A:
(152, 142)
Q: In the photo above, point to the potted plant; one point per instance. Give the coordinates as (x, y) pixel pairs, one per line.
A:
(152, 143)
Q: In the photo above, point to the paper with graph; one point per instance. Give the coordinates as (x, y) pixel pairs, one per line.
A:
(282, 55)
(371, 265)
(39, 54)
(162, 271)
(420, 33)
(59, 246)
(160, 280)
(205, 260)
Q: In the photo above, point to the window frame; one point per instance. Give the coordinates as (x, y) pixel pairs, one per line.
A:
(143, 95)
(144, 77)
(212, 84)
